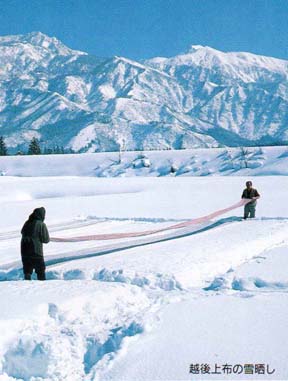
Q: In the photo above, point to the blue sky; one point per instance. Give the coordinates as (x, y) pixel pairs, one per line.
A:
(148, 28)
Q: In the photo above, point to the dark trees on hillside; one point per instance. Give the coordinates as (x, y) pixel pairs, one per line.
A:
(34, 147)
(3, 148)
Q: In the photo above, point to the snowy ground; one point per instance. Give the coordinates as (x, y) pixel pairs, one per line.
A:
(252, 161)
(145, 308)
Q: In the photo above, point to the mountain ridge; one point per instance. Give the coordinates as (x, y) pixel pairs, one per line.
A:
(202, 98)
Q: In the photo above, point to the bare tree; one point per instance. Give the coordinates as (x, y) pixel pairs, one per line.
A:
(244, 156)
(122, 148)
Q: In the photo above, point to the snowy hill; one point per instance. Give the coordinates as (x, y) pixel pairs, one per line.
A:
(203, 98)
(251, 161)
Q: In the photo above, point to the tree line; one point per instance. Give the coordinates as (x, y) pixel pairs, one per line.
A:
(34, 148)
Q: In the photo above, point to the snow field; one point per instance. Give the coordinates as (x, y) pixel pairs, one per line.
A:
(67, 328)
(144, 308)
(252, 161)
(241, 318)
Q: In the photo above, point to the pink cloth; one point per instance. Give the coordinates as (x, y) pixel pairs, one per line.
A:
(195, 221)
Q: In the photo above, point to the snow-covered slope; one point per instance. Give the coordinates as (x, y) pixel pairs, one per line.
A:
(242, 93)
(203, 98)
(251, 161)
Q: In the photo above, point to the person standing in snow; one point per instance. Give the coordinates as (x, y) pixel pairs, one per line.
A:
(250, 193)
(34, 234)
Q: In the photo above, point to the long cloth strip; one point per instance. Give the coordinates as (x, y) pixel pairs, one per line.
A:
(195, 221)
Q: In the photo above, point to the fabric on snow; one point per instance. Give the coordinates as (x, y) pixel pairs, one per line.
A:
(149, 232)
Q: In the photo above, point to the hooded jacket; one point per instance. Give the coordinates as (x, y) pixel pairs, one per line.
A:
(34, 234)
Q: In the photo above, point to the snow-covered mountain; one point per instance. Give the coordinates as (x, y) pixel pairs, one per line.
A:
(203, 98)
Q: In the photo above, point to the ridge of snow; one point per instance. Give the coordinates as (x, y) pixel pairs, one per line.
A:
(38, 39)
(203, 97)
(205, 55)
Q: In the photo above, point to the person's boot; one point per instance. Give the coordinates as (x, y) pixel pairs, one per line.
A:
(41, 276)
(27, 276)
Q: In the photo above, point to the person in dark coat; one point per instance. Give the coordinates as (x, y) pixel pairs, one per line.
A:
(34, 234)
(252, 193)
